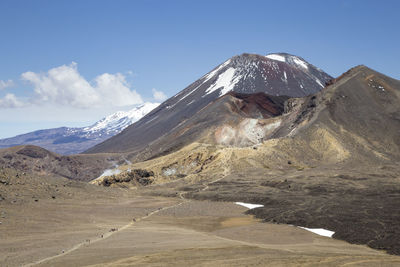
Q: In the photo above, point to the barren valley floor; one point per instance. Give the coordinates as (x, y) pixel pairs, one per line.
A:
(75, 229)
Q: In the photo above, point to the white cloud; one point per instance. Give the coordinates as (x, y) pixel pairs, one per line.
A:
(65, 86)
(6, 84)
(10, 101)
(114, 90)
(159, 95)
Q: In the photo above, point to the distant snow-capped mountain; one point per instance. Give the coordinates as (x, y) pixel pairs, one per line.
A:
(118, 121)
(67, 140)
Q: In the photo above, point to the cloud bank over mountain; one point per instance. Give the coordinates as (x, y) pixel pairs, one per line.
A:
(65, 86)
(62, 96)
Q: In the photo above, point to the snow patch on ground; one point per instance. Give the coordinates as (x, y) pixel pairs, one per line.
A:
(319, 231)
(276, 57)
(248, 205)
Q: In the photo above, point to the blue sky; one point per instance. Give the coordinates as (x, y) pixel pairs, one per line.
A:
(141, 47)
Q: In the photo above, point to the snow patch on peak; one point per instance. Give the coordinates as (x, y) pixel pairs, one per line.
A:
(205, 78)
(300, 62)
(276, 57)
(292, 60)
(226, 81)
(212, 73)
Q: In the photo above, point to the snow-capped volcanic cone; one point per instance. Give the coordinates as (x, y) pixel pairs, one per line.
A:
(275, 75)
(119, 120)
(67, 140)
